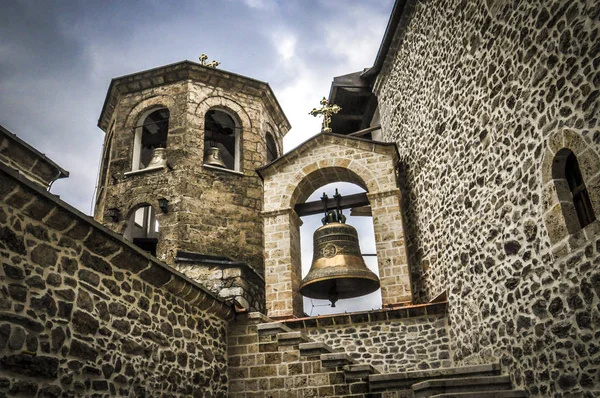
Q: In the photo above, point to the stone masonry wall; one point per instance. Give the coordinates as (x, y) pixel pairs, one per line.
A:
(211, 210)
(83, 313)
(390, 344)
(471, 92)
(328, 158)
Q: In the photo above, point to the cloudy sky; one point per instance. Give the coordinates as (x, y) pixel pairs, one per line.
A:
(57, 58)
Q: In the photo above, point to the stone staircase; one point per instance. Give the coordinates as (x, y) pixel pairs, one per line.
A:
(306, 367)
(466, 381)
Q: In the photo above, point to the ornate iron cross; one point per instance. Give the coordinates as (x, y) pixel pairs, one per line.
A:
(203, 59)
(326, 110)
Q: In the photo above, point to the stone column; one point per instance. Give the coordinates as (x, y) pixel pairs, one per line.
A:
(283, 270)
(391, 249)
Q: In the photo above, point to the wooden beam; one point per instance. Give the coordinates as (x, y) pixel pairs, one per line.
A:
(316, 207)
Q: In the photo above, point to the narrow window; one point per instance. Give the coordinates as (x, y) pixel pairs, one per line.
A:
(142, 229)
(149, 136)
(271, 148)
(221, 140)
(581, 198)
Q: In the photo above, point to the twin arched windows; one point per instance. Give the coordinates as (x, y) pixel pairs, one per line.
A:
(222, 141)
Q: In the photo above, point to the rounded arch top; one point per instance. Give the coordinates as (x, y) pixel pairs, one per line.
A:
(225, 104)
(321, 177)
(145, 107)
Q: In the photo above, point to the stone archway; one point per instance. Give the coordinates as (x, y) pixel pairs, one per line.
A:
(288, 181)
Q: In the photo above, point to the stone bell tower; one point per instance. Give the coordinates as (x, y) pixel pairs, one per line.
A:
(178, 175)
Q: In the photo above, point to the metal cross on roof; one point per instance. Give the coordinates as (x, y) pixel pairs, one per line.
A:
(326, 110)
(203, 59)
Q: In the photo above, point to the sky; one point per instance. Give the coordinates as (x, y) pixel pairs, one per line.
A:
(57, 59)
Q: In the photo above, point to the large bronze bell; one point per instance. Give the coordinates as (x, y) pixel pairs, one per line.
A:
(338, 270)
(213, 157)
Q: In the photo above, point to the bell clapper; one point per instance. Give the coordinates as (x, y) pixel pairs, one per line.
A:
(333, 295)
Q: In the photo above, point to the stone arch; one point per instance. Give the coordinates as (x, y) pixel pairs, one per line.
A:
(145, 107)
(136, 118)
(237, 112)
(294, 177)
(220, 102)
(558, 208)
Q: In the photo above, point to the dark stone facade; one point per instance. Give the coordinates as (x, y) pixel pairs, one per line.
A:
(83, 313)
(479, 96)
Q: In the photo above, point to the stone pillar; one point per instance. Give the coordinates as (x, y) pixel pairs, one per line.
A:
(391, 249)
(283, 270)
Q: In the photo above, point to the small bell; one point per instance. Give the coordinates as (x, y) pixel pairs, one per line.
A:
(212, 157)
(159, 158)
(338, 270)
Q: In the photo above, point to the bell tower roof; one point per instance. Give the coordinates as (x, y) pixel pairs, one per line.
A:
(188, 70)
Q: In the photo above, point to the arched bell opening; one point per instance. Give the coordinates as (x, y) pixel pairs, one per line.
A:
(142, 228)
(361, 219)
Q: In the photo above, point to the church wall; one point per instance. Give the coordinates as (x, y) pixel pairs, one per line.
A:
(86, 314)
(472, 93)
(211, 211)
(389, 345)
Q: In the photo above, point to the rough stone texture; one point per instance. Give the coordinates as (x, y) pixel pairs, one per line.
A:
(391, 346)
(479, 97)
(237, 283)
(259, 367)
(34, 165)
(211, 211)
(118, 333)
(290, 180)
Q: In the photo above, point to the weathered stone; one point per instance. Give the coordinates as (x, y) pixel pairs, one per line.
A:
(45, 304)
(54, 279)
(156, 275)
(4, 334)
(122, 326)
(51, 391)
(18, 292)
(85, 323)
(82, 350)
(26, 322)
(44, 255)
(24, 387)
(64, 310)
(69, 265)
(12, 241)
(13, 272)
(58, 339)
(36, 281)
(512, 247)
(32, 366)
(89, 277)
(117, 309)
(96, 263)
(17, 339)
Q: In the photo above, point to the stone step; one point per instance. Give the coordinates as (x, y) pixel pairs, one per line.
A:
(270, 328)
(486, 394)
(291, 338)
(461, 384)
(403, 380)
(358, 372)
(314, 348)
(335, 359)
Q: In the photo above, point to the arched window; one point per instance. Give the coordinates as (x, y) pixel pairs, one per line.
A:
(142, 229)
(151, 135)
(221, 140)
(271, 148)
(571, 190)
